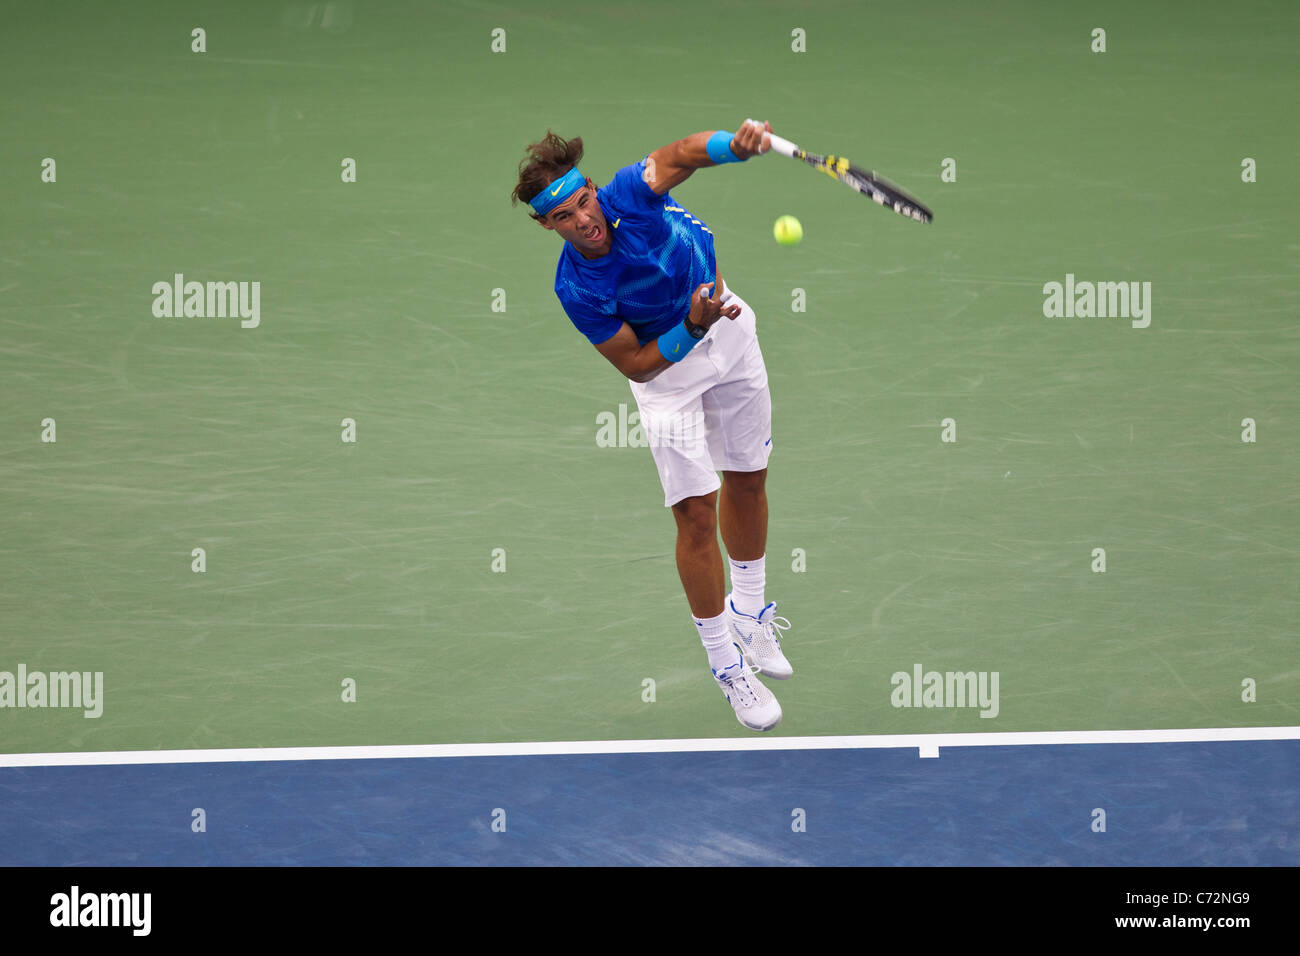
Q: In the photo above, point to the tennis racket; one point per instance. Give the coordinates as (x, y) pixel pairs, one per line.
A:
(868, 183)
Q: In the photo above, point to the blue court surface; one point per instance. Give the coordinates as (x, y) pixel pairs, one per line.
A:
(1166, 804)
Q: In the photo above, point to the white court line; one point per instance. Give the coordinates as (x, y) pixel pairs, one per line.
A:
(928, 745)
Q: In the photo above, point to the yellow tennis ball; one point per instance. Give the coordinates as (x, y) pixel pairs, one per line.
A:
(787, 230)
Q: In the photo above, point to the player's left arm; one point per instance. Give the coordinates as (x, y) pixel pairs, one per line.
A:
(670, 165)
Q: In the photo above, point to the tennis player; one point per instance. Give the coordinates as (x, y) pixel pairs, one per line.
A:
(638, 277)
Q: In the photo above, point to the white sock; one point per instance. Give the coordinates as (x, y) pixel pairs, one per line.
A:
(747, 580)
(715, 633)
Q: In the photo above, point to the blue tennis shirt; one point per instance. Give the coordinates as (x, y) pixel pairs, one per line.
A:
(660, 254)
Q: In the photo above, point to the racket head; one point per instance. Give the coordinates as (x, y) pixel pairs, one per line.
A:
(882, 191)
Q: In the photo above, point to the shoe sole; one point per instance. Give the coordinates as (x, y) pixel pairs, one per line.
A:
(763, 729)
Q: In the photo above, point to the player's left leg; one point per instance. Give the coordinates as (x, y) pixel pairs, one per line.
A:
(672, 414)
(742, 514)
(742, 517)
(739, 413)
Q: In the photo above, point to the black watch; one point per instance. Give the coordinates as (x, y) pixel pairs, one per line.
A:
(695, 331)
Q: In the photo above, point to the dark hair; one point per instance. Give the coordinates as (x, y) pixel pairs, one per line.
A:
(546, 162)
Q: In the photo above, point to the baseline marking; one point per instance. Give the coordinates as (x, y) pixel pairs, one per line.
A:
(927, 745)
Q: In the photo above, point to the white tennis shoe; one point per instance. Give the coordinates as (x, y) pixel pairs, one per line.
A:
(759, 639)
(753, 703)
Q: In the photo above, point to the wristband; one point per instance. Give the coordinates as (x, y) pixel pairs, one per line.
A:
(719, 148)
(676, 342)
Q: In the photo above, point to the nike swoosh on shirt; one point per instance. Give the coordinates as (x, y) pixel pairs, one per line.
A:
(617, 221)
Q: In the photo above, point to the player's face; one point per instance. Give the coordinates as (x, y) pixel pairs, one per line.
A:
(580, 222)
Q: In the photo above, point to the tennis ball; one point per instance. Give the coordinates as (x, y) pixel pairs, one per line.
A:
(787, 230)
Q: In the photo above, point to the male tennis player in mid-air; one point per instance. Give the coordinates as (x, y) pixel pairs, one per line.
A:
(638, 277)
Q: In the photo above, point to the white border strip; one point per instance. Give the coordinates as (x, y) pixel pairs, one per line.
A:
(928, 745)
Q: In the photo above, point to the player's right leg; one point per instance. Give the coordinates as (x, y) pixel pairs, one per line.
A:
(673, 418)
(699, 560)
(699, 564)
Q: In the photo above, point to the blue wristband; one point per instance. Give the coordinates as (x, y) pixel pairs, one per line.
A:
(676, 342)
(719, 148)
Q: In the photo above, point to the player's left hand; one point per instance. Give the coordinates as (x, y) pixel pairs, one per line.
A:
(753, 137)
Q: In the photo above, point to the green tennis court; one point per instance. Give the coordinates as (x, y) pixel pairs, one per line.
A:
(417, 303)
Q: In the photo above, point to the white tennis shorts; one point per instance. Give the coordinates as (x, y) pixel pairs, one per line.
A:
(711, 411)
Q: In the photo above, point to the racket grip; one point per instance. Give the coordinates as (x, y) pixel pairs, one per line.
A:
(783, 146)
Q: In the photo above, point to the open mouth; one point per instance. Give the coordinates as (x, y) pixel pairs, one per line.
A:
(594, 235)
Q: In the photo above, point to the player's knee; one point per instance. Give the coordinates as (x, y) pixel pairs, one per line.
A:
(697, 517)
(745, 483)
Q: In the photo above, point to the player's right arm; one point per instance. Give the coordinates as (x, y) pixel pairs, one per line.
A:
(641, 363)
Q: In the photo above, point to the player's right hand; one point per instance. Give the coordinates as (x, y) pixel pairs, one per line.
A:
(707, 308)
